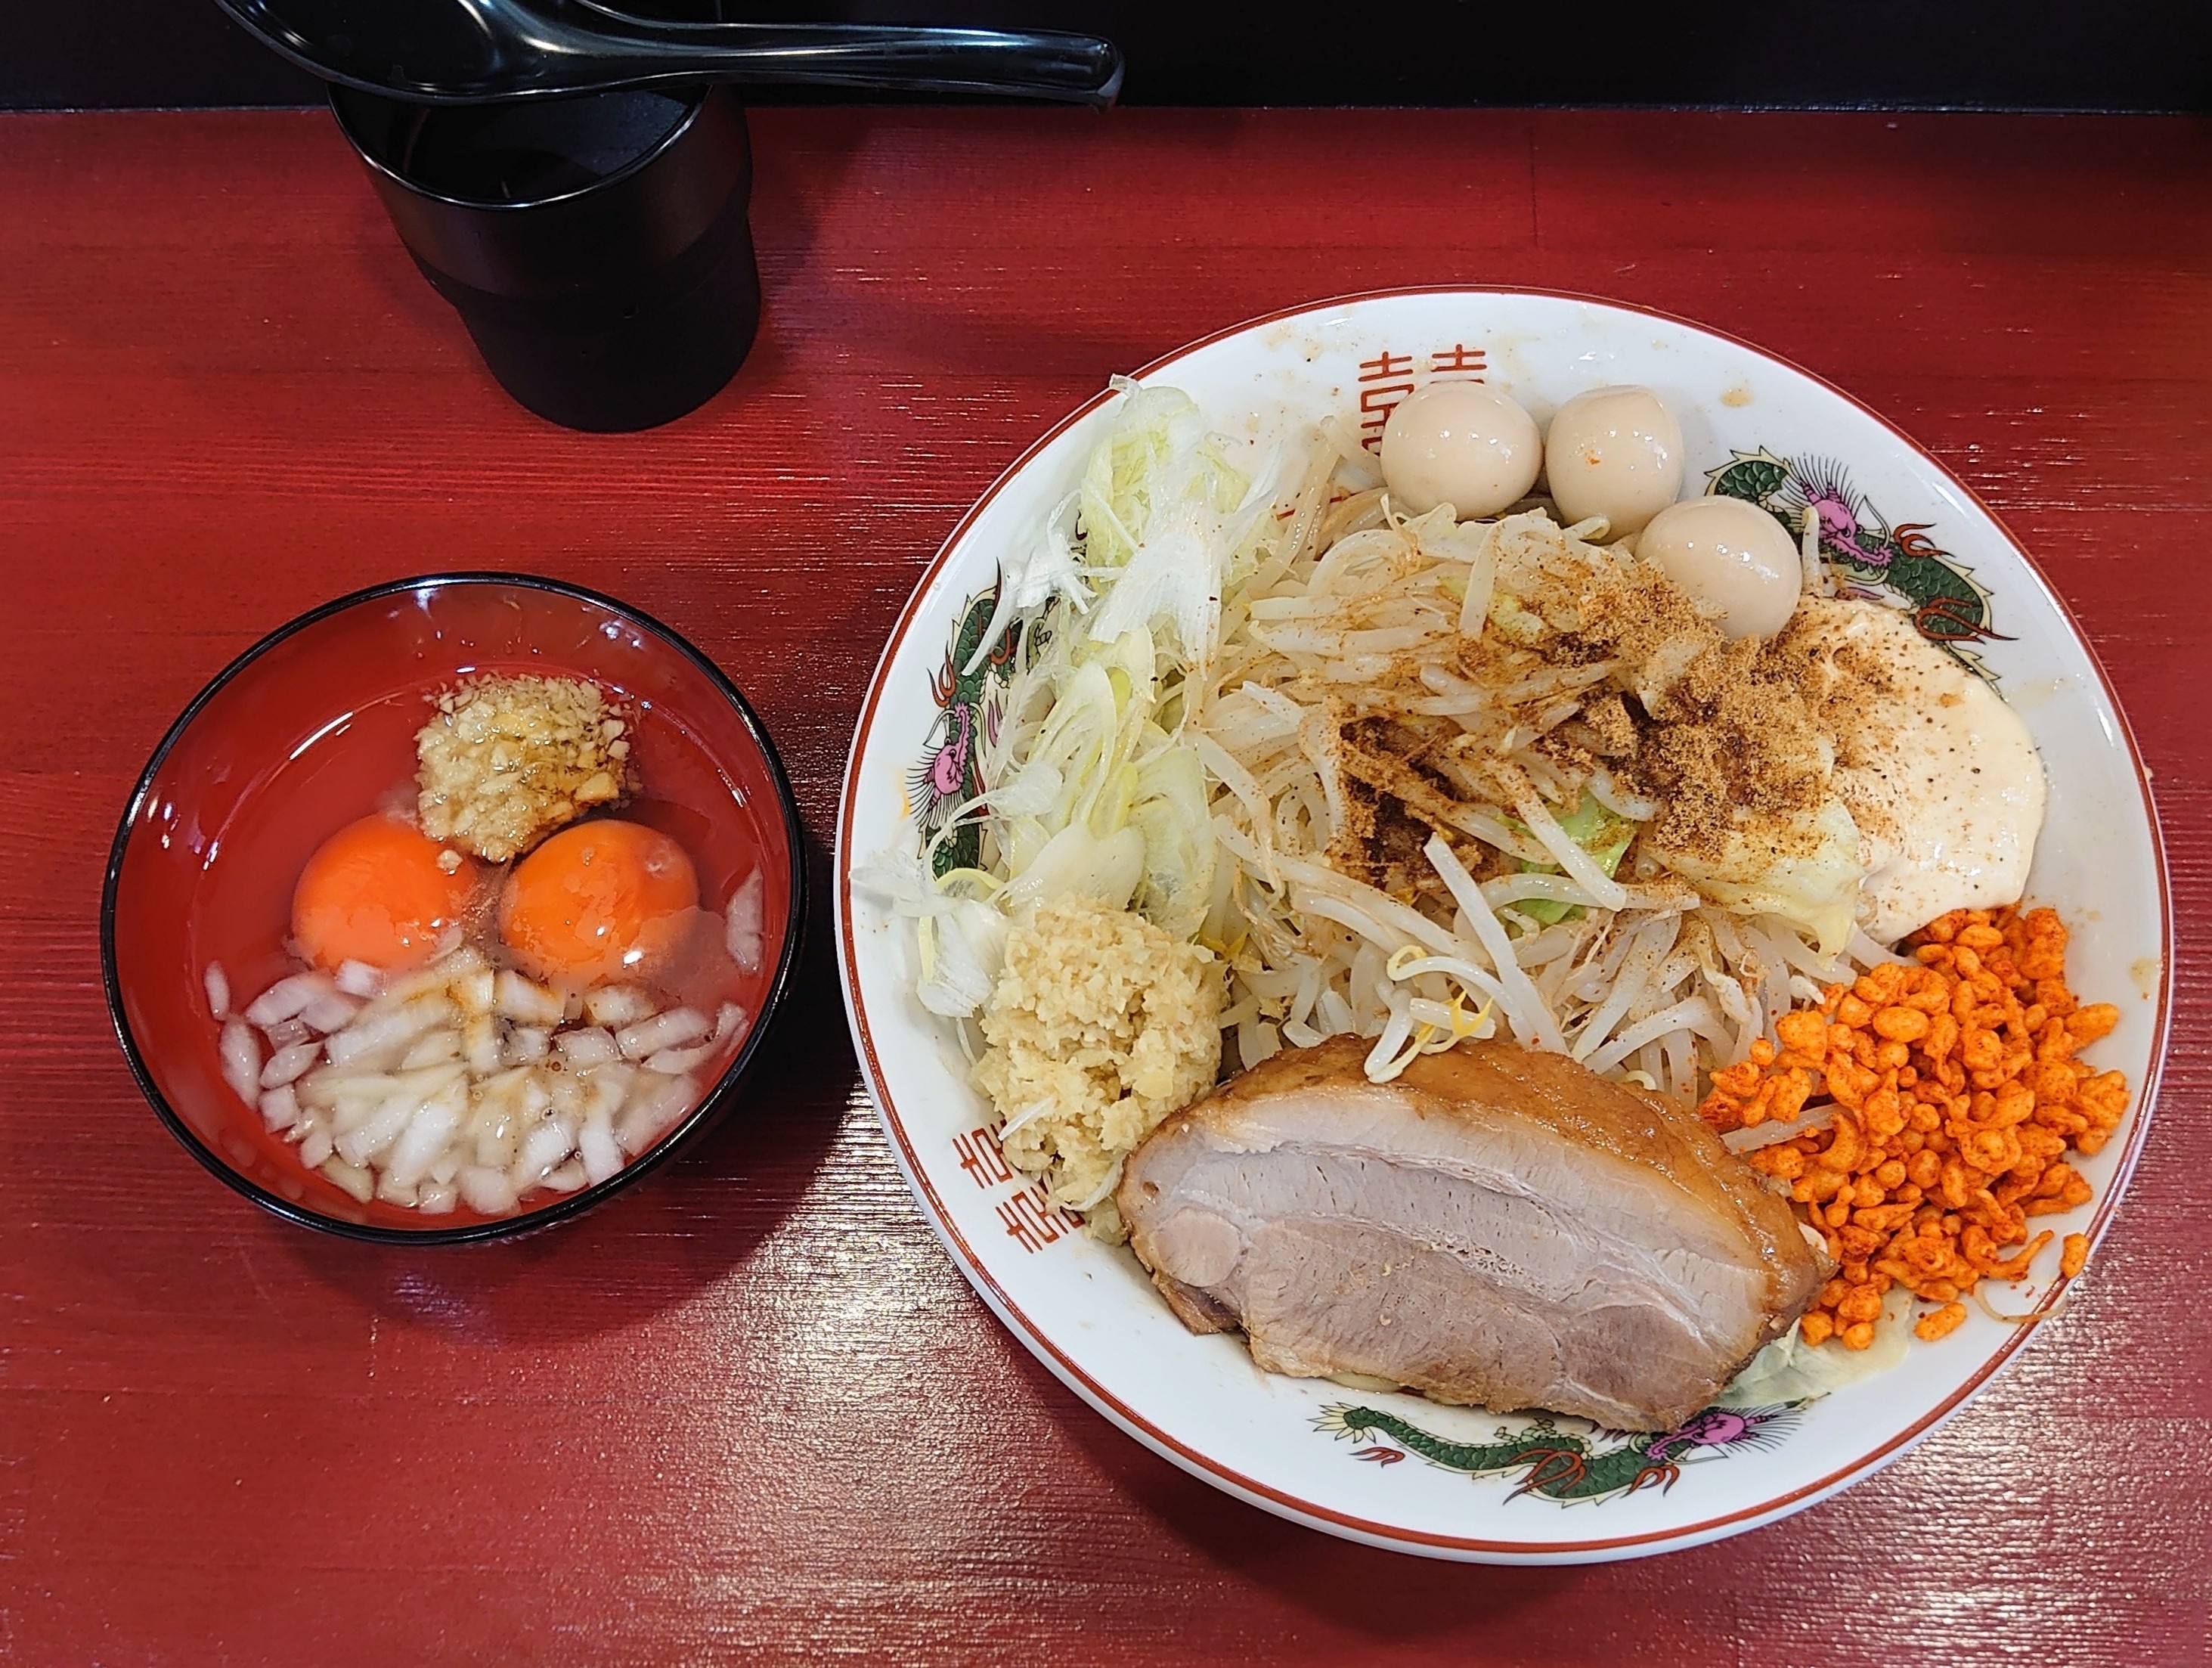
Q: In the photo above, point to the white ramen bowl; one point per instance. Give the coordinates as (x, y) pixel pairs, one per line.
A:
(1482, 1485)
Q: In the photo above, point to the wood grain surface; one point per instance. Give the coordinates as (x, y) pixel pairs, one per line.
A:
(750, 1413)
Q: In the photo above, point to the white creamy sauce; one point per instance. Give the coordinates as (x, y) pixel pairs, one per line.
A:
(1943, 782)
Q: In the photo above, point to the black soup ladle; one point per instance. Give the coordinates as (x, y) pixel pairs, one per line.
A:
(475, 50)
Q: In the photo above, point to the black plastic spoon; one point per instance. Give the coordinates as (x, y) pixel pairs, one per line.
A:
(470, 51)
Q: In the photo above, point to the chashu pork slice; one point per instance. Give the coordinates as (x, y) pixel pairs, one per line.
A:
(1498, 1227)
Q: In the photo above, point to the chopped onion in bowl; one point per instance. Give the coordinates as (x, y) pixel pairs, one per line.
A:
(358, 978)
(745, 932)
(617, 1005)
(673, 1029)
(287, 1063)
(289, 996)
(241, 1050)
(280, 1108)
(466, 1083)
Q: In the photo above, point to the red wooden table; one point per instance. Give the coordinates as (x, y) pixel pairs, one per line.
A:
(750, 1413)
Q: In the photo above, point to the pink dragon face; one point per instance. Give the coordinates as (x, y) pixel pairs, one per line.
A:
(1836, 518)
(1715, 1428)
(950, 767)
(1839, 531)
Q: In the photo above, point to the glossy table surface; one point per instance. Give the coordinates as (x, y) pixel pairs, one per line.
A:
(750, 1412)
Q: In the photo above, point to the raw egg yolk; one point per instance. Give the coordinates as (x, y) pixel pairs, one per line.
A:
(601, 900)
(376, 892)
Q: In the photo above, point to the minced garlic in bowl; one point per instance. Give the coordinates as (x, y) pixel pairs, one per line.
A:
(509, 759)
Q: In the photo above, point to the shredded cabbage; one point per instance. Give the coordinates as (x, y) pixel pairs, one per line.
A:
(1166, 516)
(1790, 1370)
(1817, 889)
(1600, 832)
(1091, 790)
(959, 939)
(1051, 567)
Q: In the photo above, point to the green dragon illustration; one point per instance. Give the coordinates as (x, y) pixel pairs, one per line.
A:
(1872, 557)
(1560, 1464)
(969, 709)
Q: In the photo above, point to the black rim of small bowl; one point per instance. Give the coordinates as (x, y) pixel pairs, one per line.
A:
(695, 101)
(711, 1105)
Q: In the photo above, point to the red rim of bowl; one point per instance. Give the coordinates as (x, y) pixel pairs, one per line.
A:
(1280, 1500)
(712, 1104)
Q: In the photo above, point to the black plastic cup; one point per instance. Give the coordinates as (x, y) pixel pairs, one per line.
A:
(596, 248)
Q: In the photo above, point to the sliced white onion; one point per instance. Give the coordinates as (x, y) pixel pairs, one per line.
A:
(330, 1013)
(457, 1083)
(289, 996)
(473, 990)
(239, 1047)
(480, 1044)
(432, 1048)
(386, 1033)
(356, 1109)
(582, 1049)
(744, 929)
(525, 1045)
(429, 1132)
(370, 1138)
(618, 1005)
(440, 977)
(488, 1191)
(675, 1062)
(567, 1095)
(289, 1063)
(654, 1105)
(597, 1149)
(673, 1029)
(544, 1146)
(218, 991)
(358, 978)
(280, 1108)
(524, 1002)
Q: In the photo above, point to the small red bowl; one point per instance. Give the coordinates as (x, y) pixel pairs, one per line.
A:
(314, 727)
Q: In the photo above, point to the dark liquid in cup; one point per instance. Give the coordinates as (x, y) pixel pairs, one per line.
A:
(528, 151)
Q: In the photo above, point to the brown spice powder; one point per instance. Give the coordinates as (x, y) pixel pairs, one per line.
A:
(1735, 751)
(1731, 737)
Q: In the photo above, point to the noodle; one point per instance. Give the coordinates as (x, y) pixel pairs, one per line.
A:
(1356, 610)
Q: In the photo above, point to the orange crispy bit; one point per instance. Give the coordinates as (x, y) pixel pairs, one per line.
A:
(1941, 1324)
(1901, 1024)
(1958, 1099)
(2073, 1256)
